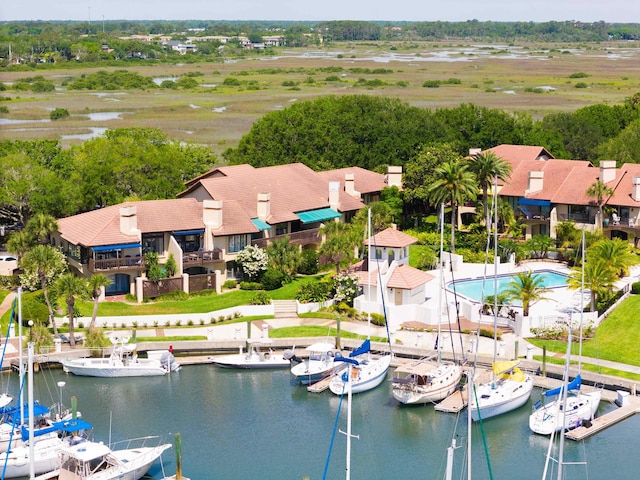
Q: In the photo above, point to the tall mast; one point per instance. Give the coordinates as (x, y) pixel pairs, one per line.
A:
(495, 268)
(441, 292)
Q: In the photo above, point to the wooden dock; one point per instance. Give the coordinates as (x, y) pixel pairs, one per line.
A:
(454, 402)
(320, 386)
(600, 423)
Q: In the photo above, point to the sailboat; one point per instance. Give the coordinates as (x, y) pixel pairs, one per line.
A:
(509, 388)
(369, 372)
(572, 405)
(424, 381)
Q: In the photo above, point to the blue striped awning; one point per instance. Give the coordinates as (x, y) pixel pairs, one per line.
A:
(260, 224)
(320, 215)
(111, 248)
(183, 233)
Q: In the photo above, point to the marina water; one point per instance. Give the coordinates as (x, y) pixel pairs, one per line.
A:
(249, 424)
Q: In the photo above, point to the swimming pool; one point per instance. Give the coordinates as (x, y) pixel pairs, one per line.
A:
(472, 288)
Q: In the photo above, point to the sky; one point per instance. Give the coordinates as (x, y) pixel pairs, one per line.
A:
(611, 11)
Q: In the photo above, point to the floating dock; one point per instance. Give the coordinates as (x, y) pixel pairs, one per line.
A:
(454, 402)
(320, 386)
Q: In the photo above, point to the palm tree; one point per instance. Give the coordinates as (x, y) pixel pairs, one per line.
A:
(41, 225)
(616, 253)
(46, 263)
(20, 243)
(341, 240)
(283, 255)
(599, 279)
(96, 283)
(487, 167)
(600, 191)
(455, 184)
(527, 287)
(71, 287)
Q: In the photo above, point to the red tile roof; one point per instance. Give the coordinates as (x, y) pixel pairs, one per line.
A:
(408, 278)
(392, 238)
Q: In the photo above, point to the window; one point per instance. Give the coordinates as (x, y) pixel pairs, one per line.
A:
(237, 243)
(153, 242)
(281, 229)
(189, 243)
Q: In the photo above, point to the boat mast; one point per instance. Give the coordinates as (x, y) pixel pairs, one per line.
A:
(369, 272)
(441, 292)
(495, 268)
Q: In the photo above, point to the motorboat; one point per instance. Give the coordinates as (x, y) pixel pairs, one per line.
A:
(44, 454)
(123, 361)
(253, 357)
(319, 365)
(424, 381)
(368, 373)
(89, 460)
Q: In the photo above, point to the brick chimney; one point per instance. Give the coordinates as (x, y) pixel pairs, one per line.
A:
(607, 171)
(535, 181)
(635, 189)
(129, 220)
(394, 176)
(212, 213)
(334, 195)
(264, 206)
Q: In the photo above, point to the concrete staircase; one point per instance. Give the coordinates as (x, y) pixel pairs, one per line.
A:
(285, 308)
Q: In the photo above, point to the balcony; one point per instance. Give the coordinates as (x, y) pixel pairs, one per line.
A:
(304, 237)
(617, 223)
(190, 259)
(116, 264)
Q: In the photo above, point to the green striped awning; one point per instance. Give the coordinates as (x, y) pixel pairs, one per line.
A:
(320, 215)
(260, 224)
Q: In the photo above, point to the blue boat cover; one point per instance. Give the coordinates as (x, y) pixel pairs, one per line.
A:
(364, 348)
(67, 426)
(573, 385)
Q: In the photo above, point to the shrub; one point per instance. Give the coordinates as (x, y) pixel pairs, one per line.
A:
(578, 75)
(431, 84)
(378, 319)
(635, 288)
(230, 284)
(314, 292)
(4, 109)
(260, 298)
(250, 286)
(58, 113)
(581, 85)
(171, 267)
(308, 262)
(272, 279)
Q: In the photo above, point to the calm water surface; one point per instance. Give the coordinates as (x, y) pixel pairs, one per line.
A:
(261, 425)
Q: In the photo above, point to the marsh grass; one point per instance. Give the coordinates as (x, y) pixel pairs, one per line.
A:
(485, 75)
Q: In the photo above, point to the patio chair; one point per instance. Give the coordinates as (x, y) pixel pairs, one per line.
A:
(615, 219)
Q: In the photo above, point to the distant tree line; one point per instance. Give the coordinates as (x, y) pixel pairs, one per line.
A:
(326, 133)
(49, 42)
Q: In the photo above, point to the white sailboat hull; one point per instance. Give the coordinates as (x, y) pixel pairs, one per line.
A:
(414, 386)
(45, 458)
(551, 417)
(366, 376)
(251, 360)
(497, 398)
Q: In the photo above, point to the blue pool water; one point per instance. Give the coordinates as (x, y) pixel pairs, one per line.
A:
(473, 288)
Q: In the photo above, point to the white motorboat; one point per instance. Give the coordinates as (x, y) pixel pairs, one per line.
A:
(123, 362)
(88, 460)
(424, 381)
(254, 357)
(319, 365)
(367, 374)
(44, 454)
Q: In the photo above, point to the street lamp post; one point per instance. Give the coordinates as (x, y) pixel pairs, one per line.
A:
(30, 331)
